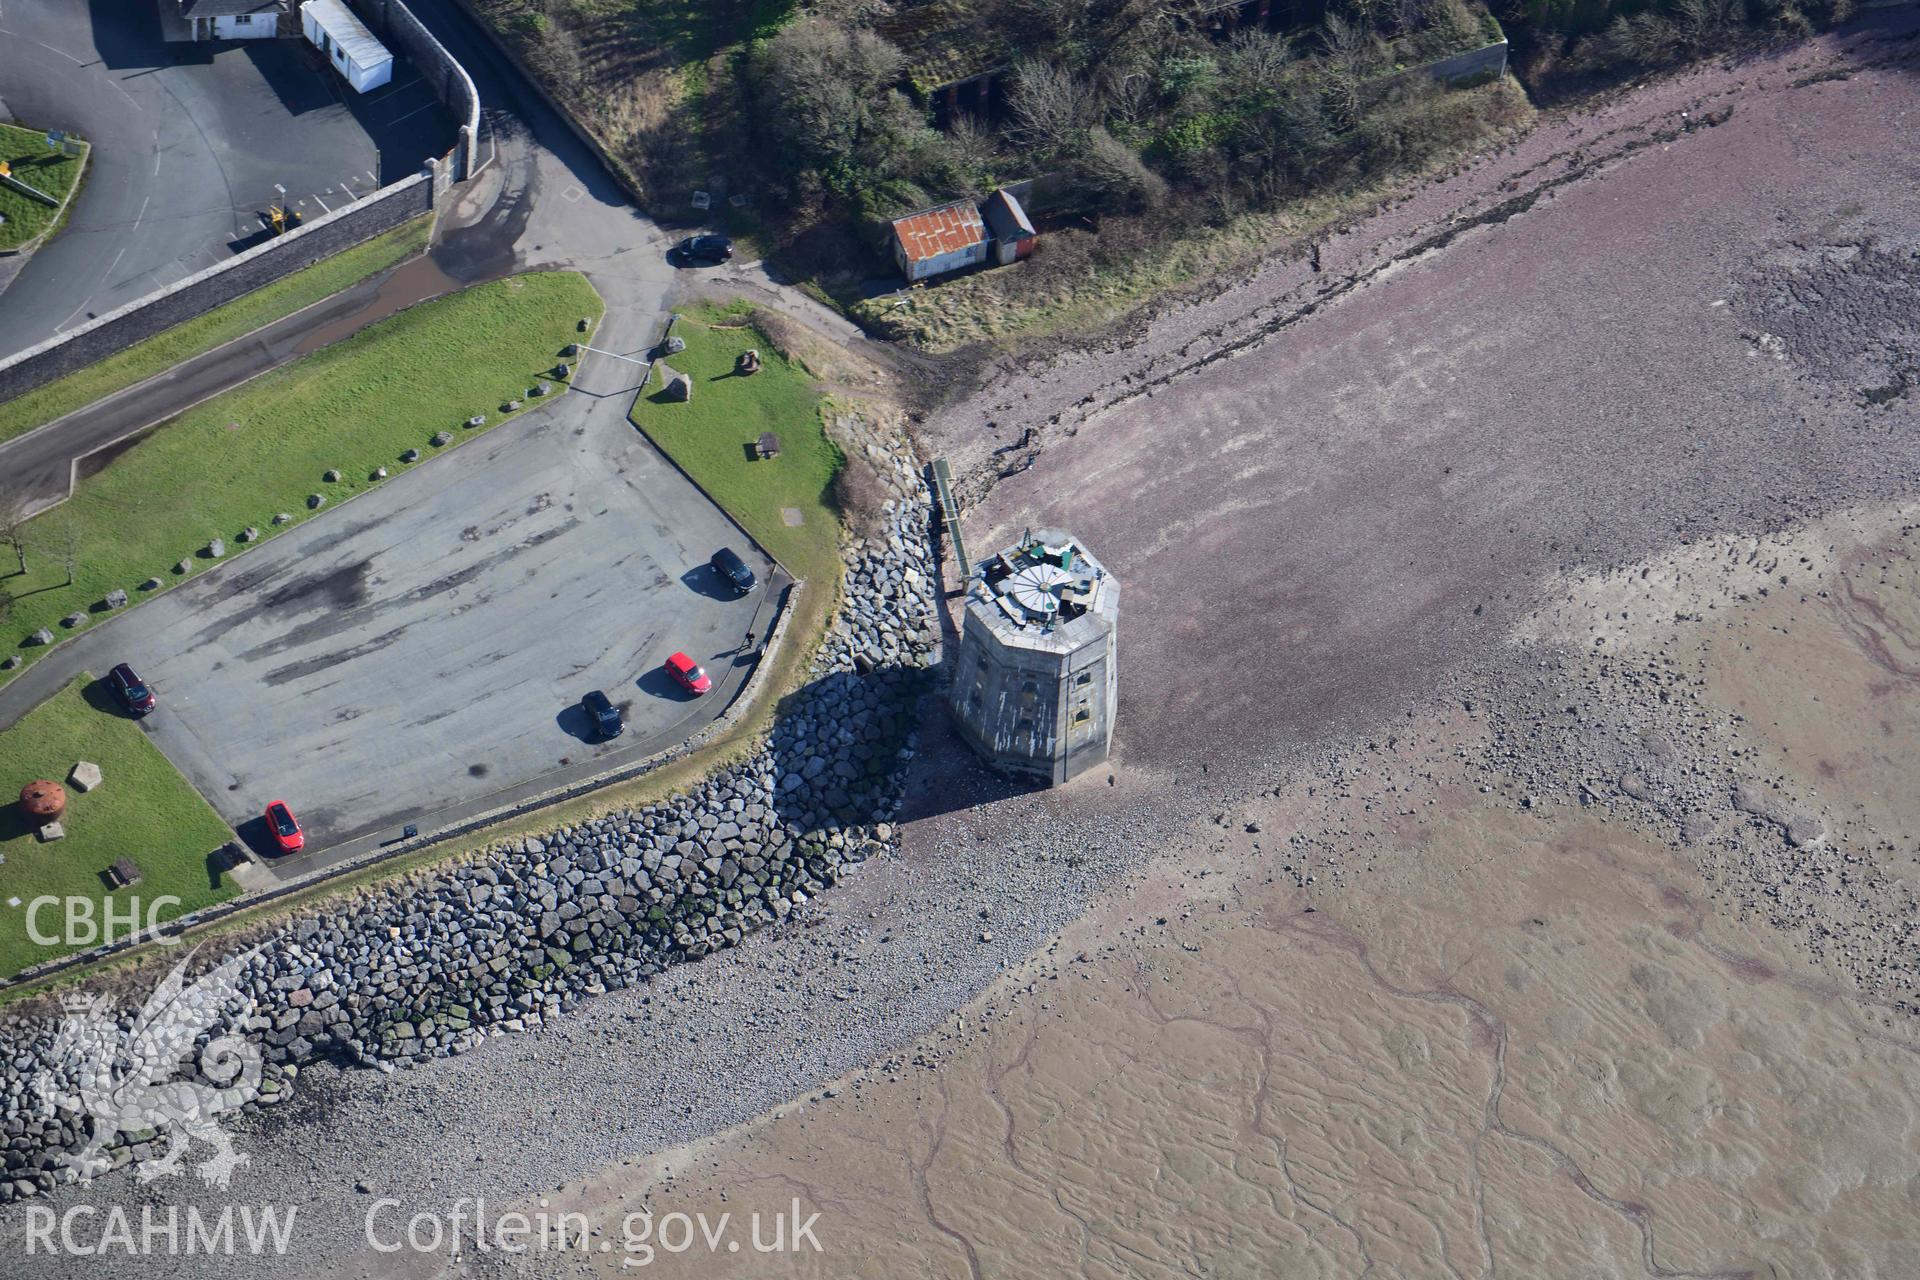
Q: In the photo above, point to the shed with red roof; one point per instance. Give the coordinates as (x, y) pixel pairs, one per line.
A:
(944, 238)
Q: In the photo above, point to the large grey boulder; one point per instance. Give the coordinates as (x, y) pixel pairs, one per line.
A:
(283, 518)
(332, 477)
(677, 386)
(116, 599)
(441, 439)
(74, 619)
(315, 501)
(42, 636)
(217, 548)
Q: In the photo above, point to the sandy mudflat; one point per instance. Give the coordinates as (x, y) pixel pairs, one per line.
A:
(1522, 1036)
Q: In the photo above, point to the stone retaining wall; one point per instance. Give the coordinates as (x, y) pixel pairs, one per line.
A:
(261, 265)
(1489, 61)
(443, 74)
(615, 167)
(533, 927)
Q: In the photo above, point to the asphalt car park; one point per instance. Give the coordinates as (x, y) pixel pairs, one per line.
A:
(428, 645)
(192, 143)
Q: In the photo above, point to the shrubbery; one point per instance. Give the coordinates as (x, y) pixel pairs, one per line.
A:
(1131, 102)
(1566, 45)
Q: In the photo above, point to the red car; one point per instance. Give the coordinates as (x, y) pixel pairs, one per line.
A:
(284, 829)
(688, 674)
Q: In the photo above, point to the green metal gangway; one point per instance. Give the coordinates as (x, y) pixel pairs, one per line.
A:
(950, 513)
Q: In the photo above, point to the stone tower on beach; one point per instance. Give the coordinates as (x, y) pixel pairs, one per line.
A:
(1034, 682)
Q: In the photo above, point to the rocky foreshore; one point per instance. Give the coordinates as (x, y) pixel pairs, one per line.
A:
(530, 928)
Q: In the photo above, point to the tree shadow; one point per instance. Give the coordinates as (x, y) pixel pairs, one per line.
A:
(128, 36)
(297, 74)
(222, 860)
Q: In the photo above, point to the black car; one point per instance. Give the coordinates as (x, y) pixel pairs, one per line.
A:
(131, 690)
(607, 720)
(734, 570)
(706, 250)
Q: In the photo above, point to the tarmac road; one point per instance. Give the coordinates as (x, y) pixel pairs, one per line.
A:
(189, 141)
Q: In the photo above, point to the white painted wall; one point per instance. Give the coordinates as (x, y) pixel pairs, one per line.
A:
(246, 26)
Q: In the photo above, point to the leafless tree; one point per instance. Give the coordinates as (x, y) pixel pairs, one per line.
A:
(1052, 108)
(974, 148)
(1351, 48)
(12, 525)
(1254, 60)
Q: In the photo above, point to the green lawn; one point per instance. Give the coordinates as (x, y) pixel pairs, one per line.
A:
(40, 166)
(238, 459)
(203, 333)
(709, 437)
(143, 809)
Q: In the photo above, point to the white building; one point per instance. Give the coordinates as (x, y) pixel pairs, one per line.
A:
(222, 19)
(333, 29)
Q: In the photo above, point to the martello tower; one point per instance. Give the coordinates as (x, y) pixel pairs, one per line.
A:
(1034, 684)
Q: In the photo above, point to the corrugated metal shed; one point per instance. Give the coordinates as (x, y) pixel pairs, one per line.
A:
(348, 32)
(935, 232)
(1008, 220)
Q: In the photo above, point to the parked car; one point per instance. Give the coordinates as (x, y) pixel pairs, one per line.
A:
(607, 720)
(285, 828)
(687, 673)
(708, 251)
(132, 691)
(734, 570)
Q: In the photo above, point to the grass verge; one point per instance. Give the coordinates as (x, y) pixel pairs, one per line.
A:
(711, 438)
(203, 333)
(237, 460)
(44, 168)
(142, 810)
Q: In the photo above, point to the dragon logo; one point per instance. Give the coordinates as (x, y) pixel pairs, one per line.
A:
(124, 1081)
